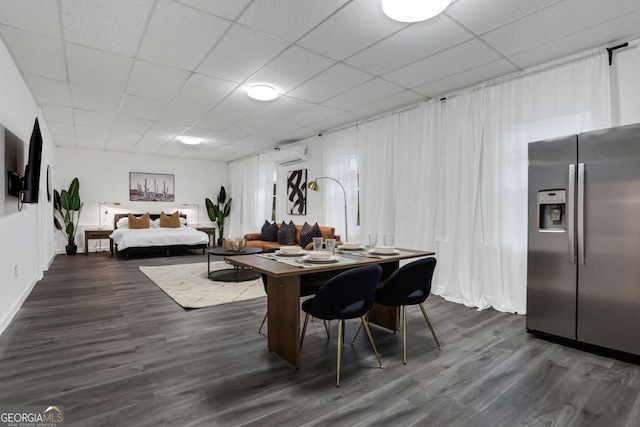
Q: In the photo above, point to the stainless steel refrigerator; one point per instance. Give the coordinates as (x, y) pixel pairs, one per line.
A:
(583, 273)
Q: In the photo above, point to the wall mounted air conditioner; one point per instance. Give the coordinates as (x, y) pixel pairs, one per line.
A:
(290, 155)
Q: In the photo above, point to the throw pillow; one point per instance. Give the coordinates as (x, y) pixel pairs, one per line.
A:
(138, 222)
(170, 221)
(287, 234)
(308, 233)
(269, 232)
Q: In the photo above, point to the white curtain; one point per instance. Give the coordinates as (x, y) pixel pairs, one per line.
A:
(264, 190)
(452, 176)
(243, 178)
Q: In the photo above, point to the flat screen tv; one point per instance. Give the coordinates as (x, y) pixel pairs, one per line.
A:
(31, 181)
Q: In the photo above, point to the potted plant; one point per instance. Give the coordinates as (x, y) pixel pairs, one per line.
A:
(67, 205)
(218, 212)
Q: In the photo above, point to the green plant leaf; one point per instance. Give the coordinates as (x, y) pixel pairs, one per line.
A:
(74, 187)
(57, 223)
(56, 200)
(222, 196)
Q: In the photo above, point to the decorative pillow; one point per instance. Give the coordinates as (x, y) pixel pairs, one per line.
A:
(287, 234)
(122, 223)
(170, 221)
(138, 222)
(308, 233)
(269, 232)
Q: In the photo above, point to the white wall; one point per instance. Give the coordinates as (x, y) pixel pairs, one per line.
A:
(26, 243)
(315, 199)
(104, 177)
(625, 85)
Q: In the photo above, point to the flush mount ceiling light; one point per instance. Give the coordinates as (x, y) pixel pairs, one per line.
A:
(190, 140)
(262, 93)
(413, 10)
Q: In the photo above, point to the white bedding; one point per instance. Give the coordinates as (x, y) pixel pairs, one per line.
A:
(149, 237)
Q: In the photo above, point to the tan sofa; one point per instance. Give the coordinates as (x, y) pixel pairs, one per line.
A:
(253, 239)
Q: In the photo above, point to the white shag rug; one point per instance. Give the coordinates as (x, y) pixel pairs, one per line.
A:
(190, 287)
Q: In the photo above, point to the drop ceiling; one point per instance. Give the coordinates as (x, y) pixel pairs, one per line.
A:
(131, 76)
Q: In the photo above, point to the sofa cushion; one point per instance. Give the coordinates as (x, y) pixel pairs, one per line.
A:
(287, 234)
(269, 232)
(308, 233)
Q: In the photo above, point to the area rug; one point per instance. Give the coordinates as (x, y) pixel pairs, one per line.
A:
(189, 286)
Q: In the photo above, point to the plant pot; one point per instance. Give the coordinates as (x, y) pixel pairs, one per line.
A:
(71, 249)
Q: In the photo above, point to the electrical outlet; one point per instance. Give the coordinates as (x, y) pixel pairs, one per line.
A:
(15, 270)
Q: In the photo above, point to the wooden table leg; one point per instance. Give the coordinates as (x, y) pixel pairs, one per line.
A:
(283, 308)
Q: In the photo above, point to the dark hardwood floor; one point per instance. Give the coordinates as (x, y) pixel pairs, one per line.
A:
(101, 339)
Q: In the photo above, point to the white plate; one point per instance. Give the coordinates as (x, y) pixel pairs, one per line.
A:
(292, 255)
(359, 248)
(331, 260)
(385, 253)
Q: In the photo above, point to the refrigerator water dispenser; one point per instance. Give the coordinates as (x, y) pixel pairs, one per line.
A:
(552, 208)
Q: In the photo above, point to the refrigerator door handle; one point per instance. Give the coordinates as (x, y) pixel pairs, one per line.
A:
(571, 229)
(580, 216)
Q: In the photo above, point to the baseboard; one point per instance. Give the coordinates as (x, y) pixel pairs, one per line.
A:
(6, 320)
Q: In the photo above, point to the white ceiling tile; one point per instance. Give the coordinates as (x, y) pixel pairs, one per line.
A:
(391, 103)
(115, 25)
(251, 124)
(240, 53)
(91, 143)
(465, 56)
(468, 12)
(182, 115)
(91, 132)
(239, 103)
(555, 22)
(35, 54)
(329, 83)
(55, 113)
(415, 42)
(371, 91)
(227, 9)
(95, 98)
(124, 136)
(299, 134)
(203, 92)
(167, 130)
(337, 121)
(229, 148)
(65, 129)
(130, 124)
(142, 108)
(145, 149)
(38, 16)
(155, 81)
(288, 19)
(91, 67)
(49, 91)
(293, 67)
(120, 145)
(157, 140)
(64, 141)
(217, 120)
(173, 28)
(227, 137)
(350, 30)
(206, 134)
(313, 115)
(171, 149)
(93, 118)
(284, 107)
(467, 78)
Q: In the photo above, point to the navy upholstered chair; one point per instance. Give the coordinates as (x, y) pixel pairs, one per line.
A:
(408, 285)
(349, 295)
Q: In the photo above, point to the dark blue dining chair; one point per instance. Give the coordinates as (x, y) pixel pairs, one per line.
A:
(408, 285)
(349, 295)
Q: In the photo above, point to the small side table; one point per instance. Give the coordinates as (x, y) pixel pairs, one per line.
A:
(211, 231)
(96, 235)
(238, 274)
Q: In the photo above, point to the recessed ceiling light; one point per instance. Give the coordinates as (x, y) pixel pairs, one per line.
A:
(190, 140)
(413, 10)
(262, 93)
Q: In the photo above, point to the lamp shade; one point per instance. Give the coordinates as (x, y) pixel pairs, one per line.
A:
(413, 10)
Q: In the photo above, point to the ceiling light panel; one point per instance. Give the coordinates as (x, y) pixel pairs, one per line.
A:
(413, 10)
(262, 93)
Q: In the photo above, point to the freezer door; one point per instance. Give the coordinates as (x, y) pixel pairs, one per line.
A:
(551, 262)
(609, 240)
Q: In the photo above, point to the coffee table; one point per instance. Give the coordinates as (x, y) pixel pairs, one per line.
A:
(238, 274)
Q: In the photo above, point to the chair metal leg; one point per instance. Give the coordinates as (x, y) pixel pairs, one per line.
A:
(403, 315)
(304, 329)
(264, 319)
(430, 326)
(356, 334)
(363, 322)
(340, 329)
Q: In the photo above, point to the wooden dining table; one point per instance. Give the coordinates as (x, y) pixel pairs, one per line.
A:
(284, 282)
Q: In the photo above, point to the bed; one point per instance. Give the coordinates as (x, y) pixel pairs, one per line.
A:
(155, 238)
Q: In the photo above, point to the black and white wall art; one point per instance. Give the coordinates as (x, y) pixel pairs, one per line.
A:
(297, 192)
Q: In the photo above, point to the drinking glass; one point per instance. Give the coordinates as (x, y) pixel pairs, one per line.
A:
(317, 243)
(373, 240)
(330, 244)
(388, 239)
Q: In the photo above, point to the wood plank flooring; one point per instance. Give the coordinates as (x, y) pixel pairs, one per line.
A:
(101, 339)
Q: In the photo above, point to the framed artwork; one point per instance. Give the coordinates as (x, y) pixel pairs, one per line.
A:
(297, 192)
(151, 187)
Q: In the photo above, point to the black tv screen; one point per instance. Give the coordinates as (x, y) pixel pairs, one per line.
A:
(31, 180)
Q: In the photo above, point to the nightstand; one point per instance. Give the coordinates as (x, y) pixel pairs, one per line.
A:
(211, 231)
(96, 235)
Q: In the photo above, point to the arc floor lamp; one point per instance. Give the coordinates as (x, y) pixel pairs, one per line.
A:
(313, 185)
